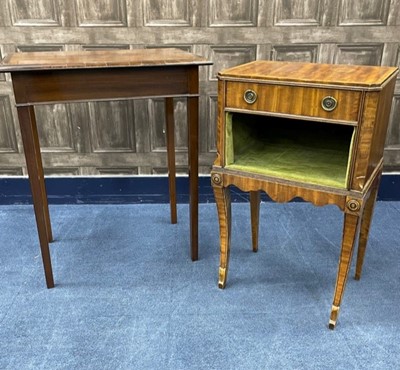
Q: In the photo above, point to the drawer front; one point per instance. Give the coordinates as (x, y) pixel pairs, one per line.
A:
(302, 101)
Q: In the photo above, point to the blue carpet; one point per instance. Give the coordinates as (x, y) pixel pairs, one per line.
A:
(127, 295)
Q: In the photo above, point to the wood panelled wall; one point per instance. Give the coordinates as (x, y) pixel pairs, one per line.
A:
(128, 137)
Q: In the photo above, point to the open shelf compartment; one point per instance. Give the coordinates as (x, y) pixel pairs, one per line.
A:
(296, 150)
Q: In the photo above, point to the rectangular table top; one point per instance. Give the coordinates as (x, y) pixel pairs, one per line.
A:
(30, 61)
(316, 73)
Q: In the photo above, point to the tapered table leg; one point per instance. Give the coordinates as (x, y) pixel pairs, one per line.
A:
(223, 201)
(349, 235)
(193, 122)
(169, 121)
(364, 229)
(27, 121)
(255, 218)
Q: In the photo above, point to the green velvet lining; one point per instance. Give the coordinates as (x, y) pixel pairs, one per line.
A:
(304, 151)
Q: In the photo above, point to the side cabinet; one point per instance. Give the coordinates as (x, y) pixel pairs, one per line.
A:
(314, 131)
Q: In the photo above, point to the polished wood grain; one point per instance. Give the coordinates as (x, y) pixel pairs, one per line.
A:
(283, 191)
(255, 199)
(219, 160)
(294, 91)
(294, 100)
(372, 134)
(193, 149)
(289, 73)
(75, 85)
(42, 78)
(30, 140)
(34, 61)
(223, 202)
(381, 127)
(170, 136)
(349, 236)
(366, 219)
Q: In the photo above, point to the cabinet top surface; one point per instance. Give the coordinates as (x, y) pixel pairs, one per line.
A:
(99, 59)
(329, 74)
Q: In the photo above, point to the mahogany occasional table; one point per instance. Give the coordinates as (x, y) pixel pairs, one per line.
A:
(315, 131)
(58, 77)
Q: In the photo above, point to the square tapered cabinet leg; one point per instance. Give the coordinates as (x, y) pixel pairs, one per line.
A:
(349, 235)
(303, 130)
(366, 219)
(255, 218)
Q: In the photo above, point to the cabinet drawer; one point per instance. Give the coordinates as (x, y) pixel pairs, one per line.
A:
(301, 101)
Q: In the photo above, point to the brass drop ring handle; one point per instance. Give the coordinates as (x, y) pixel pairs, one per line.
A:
(250, 96)
(329, 103)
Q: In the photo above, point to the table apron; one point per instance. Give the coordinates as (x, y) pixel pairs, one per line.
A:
(72, 85)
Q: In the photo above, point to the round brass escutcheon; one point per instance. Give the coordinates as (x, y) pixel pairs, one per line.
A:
(353, 205)
(250, 96)
(216, 179)
(329, 103)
